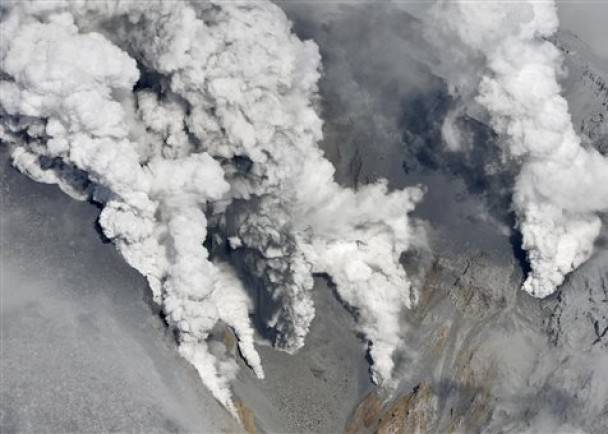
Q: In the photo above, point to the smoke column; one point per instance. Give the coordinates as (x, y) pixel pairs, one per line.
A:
(194, 121)
(562, 187)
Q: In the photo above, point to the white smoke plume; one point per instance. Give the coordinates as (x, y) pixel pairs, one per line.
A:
(562, 186)
(181, 118)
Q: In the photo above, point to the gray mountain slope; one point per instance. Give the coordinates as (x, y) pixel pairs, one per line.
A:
(82, 349)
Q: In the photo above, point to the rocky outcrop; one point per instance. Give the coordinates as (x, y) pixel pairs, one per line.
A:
(412, 413)
(247, 418)
(578, 314)
(366, 416)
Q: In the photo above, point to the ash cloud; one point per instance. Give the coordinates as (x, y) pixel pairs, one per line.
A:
(195, 121)
(559, 190)
(388, 108)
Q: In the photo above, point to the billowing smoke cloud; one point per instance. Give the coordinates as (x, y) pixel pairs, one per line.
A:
(181, 118)
(561, 186)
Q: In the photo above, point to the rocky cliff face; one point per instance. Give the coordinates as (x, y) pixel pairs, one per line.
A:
(586, 88)
(487, 357)
(490, 358)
